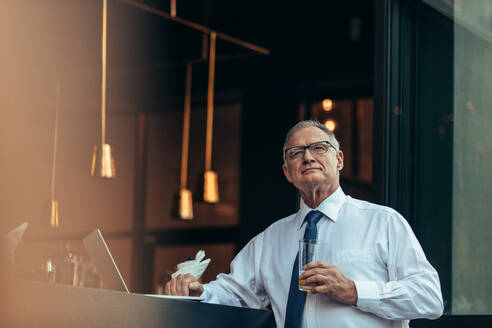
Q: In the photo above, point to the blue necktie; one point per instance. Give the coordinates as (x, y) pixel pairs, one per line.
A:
(295, 303)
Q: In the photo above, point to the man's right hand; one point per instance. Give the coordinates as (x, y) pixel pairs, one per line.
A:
(183, 285)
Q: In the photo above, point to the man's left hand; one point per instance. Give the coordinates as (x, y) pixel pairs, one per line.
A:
(330, 281)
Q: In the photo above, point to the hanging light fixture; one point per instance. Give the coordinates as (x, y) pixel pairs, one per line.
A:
(173, 8)
(210, 185)
(54, 210)
(185, 197)
(102, 160)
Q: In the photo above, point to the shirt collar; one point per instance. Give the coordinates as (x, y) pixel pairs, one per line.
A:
(329, 207)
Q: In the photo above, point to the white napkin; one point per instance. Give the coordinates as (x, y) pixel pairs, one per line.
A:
(195, 267)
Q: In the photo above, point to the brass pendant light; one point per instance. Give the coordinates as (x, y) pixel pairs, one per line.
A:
(185, 197)
(210, 184)
(102, 159)
(173, 8)
(54, 209)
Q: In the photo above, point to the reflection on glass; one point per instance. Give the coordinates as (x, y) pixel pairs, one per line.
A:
(472, 155)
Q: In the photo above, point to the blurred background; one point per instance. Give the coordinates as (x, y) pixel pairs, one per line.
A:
(403, 84)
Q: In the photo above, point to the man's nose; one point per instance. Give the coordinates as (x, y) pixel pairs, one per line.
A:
(308, 156)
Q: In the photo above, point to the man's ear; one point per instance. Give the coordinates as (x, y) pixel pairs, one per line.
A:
(286, 172)
(340, 160)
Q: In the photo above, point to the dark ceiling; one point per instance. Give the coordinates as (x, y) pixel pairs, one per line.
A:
(275, 25)
(312, 43)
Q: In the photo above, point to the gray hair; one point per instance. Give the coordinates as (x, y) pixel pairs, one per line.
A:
(306, 124)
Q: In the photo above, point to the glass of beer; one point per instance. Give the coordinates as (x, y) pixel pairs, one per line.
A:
(308, 252)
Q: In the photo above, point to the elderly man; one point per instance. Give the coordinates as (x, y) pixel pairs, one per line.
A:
(377, 274)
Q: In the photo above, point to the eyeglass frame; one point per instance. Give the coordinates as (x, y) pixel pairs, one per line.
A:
(308, 146)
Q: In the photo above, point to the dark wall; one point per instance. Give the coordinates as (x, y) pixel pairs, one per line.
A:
(276, 87)
(269, 109)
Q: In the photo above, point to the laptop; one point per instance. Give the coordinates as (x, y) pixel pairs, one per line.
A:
(108, 270)
(14, 238)
(103, 260)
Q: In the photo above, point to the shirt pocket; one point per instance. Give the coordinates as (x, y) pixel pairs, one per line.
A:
(355, 264)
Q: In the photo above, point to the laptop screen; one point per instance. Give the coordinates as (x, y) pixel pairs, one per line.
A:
(102, 259)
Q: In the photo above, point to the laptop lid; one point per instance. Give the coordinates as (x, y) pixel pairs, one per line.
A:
(13, 239)
(102, 259)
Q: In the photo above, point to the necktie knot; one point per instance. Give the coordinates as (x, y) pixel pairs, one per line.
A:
(313, 217)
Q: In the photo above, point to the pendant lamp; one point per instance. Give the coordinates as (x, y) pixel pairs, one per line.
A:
(102, 159)
(54, 210)
(210, 184)
(185, 197)
(173, 8)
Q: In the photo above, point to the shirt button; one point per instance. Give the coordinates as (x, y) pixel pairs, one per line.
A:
(367, 308)
(310, 309)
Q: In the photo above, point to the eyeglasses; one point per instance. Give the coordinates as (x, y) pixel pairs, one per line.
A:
(316, 148)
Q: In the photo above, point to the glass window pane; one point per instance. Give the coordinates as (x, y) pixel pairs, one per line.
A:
(472, 158)
(467, 124)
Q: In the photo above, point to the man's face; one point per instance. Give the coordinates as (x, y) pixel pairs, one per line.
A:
(312, 170)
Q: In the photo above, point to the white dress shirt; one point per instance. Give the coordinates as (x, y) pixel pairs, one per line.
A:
(372, 245)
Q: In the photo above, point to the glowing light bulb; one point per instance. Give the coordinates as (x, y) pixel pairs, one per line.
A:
(331, 125)
(327, 104)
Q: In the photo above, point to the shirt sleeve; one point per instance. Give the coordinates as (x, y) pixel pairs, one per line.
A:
(242, 286)
(413, 290)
